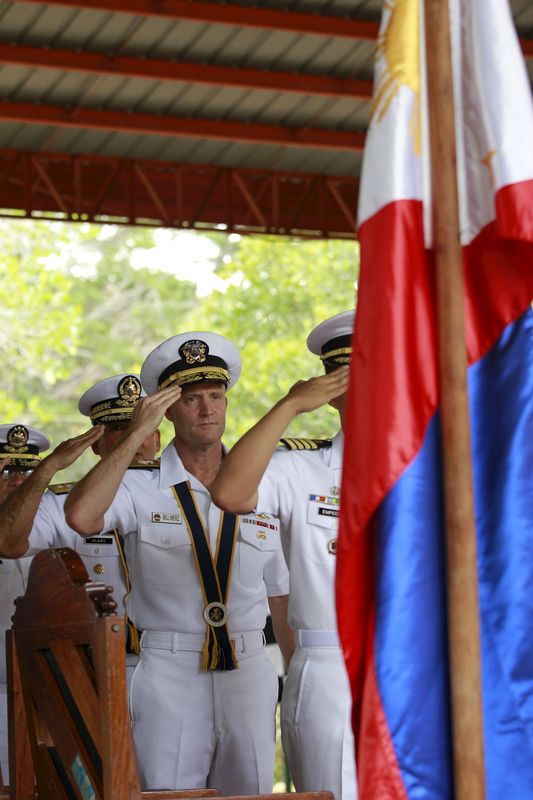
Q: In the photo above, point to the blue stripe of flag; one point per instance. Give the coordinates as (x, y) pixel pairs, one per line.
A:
(410, 639)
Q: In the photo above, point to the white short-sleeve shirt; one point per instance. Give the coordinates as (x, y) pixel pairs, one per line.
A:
(166, 592)
(99, 553)
(13, 582)
(302, 489)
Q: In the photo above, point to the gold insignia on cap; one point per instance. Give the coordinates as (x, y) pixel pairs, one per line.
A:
(17, 438)
(342, 355)
(99, 569)
(129, 390)
(194, 351)
(332, 547)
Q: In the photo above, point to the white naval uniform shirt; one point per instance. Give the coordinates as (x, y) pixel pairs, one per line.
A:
(13, 582)
(166, 592)
(99, 553)
(302, 489)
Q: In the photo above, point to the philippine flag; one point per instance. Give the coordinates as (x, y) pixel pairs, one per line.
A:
(391, 591)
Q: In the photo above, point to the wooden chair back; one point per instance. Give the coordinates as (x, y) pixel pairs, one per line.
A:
(70, 735)
(69, 668)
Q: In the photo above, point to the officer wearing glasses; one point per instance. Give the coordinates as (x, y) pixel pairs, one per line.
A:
(20, 449)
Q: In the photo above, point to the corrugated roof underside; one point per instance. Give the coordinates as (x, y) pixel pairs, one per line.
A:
(76, 29)
(46, 138)
(167, 39)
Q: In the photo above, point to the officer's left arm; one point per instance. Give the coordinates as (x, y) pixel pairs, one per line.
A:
(282, 630)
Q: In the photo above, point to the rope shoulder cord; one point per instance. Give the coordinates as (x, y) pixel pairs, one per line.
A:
(214, 574)
(133, 644)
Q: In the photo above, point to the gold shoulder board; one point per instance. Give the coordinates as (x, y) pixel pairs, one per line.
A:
(62, 488)
(305, 444)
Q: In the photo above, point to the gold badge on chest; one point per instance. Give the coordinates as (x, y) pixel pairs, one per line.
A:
(216, 614)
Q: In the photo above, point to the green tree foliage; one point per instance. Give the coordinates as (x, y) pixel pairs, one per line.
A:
(126, 311)
(76, 312)
(82, 302)
(37, 335)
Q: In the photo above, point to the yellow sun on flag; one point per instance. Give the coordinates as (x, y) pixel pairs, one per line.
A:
(398, 61)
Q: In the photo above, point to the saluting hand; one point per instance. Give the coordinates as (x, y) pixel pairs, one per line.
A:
(70, 450)
(150, 411)
(316, 392)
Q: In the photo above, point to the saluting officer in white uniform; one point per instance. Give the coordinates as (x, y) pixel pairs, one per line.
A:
(33, 517)
(20, 448)
(204, 693)
(302, 488)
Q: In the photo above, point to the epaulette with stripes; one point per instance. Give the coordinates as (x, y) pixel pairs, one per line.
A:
(145, 463)
(305, 444)
(62, 488)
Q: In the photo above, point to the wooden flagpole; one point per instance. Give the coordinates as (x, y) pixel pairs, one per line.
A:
(463, 609)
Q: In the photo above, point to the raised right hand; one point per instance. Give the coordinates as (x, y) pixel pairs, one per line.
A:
(68, 451)
(316, 392)
(149, 411)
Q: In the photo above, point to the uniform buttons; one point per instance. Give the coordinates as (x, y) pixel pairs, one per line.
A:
(96, 549)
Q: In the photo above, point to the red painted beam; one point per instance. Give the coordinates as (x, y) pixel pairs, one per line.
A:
(154, 193)
(241, 17)
(236, 15)
(221, 130)
(527, 47)
(98, 64)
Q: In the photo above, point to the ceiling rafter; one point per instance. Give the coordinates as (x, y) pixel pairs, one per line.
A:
(95, 63)
(239, 16)
(254, 207)
(115, 167)
(42, 172)
(100, 189)
(342, 204)
(242, 17)
(527, 47)
(153, 193)
(213, 129)
(217, 178)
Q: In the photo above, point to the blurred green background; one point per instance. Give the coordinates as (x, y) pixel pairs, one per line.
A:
(82, 302)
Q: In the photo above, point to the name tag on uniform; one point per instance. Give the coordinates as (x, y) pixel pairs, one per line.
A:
(323, 511)
(328, 512)
(164, 516)
(98, 540)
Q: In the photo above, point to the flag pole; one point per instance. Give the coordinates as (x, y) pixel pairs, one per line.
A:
(462, 581)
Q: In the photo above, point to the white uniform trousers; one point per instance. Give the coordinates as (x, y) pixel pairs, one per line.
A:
(195, 728)
(4, 760)
(132, 660)
(316, 723)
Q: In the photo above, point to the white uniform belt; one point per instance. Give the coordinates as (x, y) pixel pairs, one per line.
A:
(194, 642)
(317, 639)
